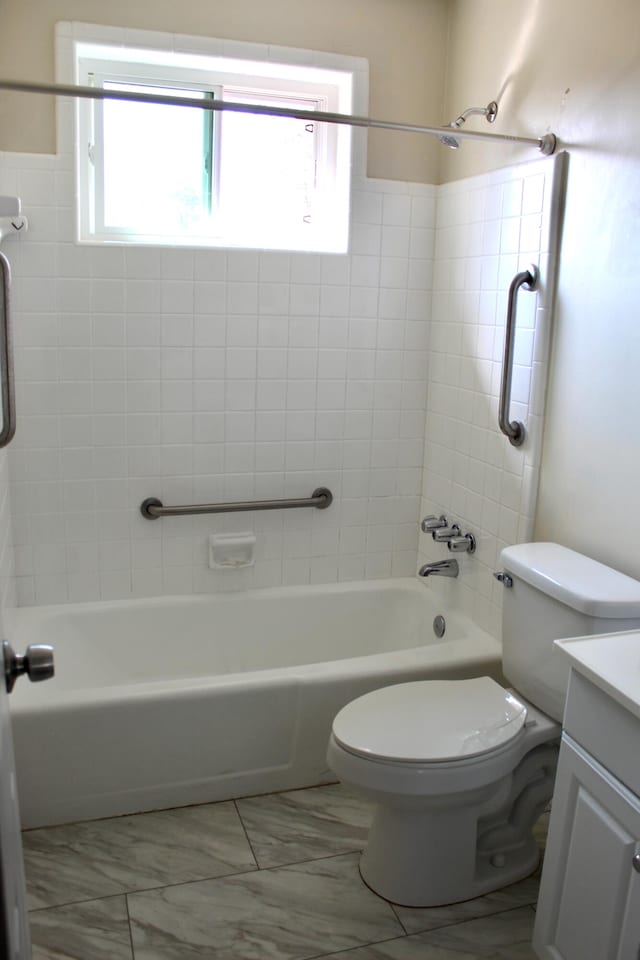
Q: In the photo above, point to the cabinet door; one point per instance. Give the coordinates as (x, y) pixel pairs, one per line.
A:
(589, 907)
(630, 932)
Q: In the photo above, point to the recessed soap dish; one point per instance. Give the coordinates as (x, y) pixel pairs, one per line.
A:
(231, 551)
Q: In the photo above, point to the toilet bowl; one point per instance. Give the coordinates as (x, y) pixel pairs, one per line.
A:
(439, 760)
(459, 771)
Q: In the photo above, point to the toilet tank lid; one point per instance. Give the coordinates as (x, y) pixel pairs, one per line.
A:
(575, 580)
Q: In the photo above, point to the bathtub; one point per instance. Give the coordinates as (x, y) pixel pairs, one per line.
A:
(177, 700)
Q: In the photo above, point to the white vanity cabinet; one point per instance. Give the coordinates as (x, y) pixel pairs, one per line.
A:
(589, 906)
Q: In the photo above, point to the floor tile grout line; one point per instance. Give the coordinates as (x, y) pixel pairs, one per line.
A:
(324, 856)
(246, 833)
(359, 946)
(182, 883)
(399, 919)
(299, 863)
(133, 949)
(160, 886)
(420, 933)
(77, 903)
(482, 916)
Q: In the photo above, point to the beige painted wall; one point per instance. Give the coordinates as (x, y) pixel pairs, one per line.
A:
(574, 67)
(404, 41)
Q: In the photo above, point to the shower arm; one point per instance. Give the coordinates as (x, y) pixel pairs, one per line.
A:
(546, 144)
(490, 112)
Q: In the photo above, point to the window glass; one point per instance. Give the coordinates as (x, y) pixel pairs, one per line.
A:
(155, 163)
(268, 170)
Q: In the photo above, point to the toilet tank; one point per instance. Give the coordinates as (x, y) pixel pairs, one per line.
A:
(557, 593)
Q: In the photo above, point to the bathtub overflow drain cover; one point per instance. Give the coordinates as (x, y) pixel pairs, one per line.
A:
(439, 626)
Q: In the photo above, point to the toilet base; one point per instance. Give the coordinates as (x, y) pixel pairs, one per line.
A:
(439, 869)
(479, 891)
(450, 848)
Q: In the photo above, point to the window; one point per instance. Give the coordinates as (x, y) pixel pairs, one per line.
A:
(155, 173)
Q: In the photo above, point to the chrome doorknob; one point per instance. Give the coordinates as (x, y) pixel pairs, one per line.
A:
(36, 662)
(635, 862)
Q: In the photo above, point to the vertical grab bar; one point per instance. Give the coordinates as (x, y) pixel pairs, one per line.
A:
(514, 429)
(7, 389)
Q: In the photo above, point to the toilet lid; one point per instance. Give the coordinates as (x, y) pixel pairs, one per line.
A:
(430, 720)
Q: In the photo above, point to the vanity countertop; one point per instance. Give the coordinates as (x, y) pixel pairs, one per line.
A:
(611, 661)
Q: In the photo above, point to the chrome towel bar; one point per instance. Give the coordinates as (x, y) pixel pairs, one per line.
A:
(152, 508)
(514, 429)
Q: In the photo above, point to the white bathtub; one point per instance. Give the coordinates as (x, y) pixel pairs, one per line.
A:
(178, 700)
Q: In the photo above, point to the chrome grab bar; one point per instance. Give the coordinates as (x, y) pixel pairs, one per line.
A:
(514, 429)
(152, 508)
(7, 388)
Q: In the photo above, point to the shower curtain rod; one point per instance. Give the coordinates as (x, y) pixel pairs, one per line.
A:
(546, 144)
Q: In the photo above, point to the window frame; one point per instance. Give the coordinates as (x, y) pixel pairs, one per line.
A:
(97, 64)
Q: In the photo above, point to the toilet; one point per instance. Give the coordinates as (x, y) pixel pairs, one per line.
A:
(460, 770)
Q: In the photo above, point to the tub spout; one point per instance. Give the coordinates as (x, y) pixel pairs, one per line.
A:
(442, 568)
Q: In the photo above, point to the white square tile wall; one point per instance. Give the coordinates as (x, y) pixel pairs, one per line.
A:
(210, 374)
(487, 229)
(7, 562)
(196, 375)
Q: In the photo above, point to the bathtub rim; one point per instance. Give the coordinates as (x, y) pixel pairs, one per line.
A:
(411, 584)
(477, 645)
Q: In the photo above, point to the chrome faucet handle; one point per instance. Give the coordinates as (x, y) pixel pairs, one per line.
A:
(446, 534)
(431, 523)
(465, 544)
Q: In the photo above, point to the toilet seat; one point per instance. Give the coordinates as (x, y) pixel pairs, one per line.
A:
(430, 721)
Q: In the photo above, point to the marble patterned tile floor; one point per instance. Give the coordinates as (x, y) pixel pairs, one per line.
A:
(261, 878)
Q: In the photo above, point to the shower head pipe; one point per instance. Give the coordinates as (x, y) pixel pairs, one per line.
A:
(546, 144)
(490, 112)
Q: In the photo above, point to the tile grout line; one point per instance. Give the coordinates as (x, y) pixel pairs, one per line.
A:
(325, 856)
(161, 886)
(246, 833)
(183, 883)
(393, 907)
(421, 933)
(483, 916)
(133, 949)
(360, 946)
